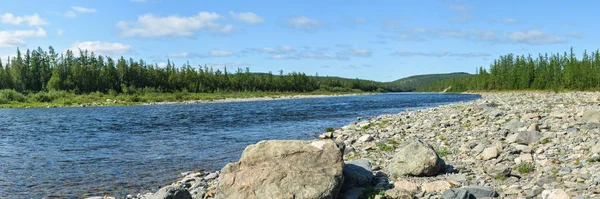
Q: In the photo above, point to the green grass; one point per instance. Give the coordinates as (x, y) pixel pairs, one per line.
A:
(577, 162)
(385, 147)
(14, 99)
(329, 129)
(525, 167)
(501, 177)
(545, 140)
(443, 152)
(370, 193)
(590, 160)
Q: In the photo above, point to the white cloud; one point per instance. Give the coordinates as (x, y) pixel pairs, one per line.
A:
(360, 52)
(179, 55)
(281, 49)
(304, 23)
(83, 9)
(534, 37)
(102, 47)
(248, 17)
(59, 32)
(11, 39)
(161, 64)
(31, 20)
(156, 26)
(282, 57)
(324, 55)
(220, 53)
(70, 14)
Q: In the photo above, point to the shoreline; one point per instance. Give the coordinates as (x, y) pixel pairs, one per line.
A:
(216, 98)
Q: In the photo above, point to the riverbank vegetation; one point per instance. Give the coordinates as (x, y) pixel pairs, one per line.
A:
(519, 72)
(40, 76)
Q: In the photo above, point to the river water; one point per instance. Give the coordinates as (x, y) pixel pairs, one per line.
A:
(95, 151)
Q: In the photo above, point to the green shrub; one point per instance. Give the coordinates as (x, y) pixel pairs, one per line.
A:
(9, 95)
(525, 167)
(590, 160)
(329, 129)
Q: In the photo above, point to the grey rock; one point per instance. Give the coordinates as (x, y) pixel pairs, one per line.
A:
(527, 137)
(416, 159)
(572, 130)
(284, 169)
(469, 192)
(211, 176)
(357, 173)
(397, 194)
(592, 116)
(172, 192)
(496, 113)
(514, 125)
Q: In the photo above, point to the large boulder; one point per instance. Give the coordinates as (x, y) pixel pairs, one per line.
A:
(284, 169)
(592, 116)
(469, 192)
(357, 173)
(416, 159)
(527, 137)
(172, 192)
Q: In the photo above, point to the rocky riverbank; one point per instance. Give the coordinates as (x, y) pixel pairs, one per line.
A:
(505, 145)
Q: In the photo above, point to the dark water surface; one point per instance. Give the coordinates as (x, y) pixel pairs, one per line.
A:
(77, 152)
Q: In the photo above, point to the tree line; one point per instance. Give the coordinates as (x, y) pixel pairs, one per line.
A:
(542, 72)
(40, 70)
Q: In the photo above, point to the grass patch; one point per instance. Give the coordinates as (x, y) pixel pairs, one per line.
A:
(370, 193)
(577, 162)
(590, 160)
(501, 177)
(329, 129)
(525, 167)
(443, 152)
(366, 127)
(384, 147)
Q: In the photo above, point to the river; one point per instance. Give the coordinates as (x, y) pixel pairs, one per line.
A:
(95, 151)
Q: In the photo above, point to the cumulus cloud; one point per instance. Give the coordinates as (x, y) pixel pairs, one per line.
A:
(248, 17)
(59, 32)
(102, 47)
(156, 26)
(304, 23)
(534, 37)
(80, 9)
(405, 53)
(31, 20)
(11, 39)
(220, 53)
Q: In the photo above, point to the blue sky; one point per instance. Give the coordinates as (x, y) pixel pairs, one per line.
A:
(377, 40)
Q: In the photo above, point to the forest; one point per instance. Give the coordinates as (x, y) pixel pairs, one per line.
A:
(519, 72)
(35, 71)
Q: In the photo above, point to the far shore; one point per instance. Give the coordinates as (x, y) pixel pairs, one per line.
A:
(95, 99)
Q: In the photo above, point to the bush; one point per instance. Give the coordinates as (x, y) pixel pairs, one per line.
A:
(329, 129)
(8, 95)
(384, 147)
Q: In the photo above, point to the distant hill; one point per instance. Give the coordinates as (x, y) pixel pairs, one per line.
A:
(411, 83)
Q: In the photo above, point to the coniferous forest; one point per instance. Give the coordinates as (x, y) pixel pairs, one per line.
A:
(41, 71)
(560, 71)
